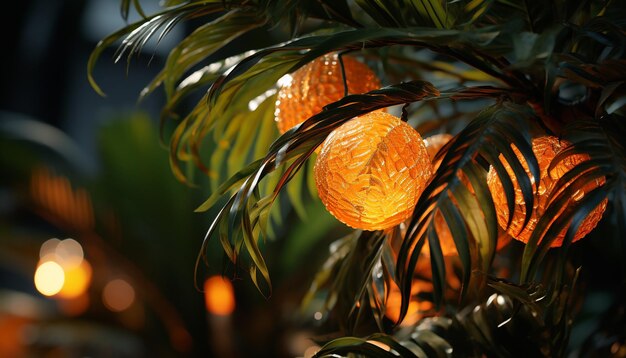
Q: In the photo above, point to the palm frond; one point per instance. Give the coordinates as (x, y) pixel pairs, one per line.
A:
(469, 216)
(497, 323)
(231, 93)
(375, 345)
(125, 8)
(202, 43)
(603, 142)
(136, 35)
(513, 320)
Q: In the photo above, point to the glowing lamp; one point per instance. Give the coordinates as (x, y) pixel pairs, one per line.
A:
(371, 170)
(545, 149)
(219, 296)
(305, 92)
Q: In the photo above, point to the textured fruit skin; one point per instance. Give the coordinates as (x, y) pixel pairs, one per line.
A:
(545, 149)
(371, 170)
(317, 84)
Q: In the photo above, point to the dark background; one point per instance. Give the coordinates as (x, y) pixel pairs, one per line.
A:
(115, 154)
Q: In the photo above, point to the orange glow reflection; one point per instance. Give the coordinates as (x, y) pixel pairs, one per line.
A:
(75, 306)
(416, 307)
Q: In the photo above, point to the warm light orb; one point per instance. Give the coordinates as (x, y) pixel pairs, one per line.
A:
(77, 280)
(219, 296)
(545, 149)
(305, 92)
(371, 170)
(49, 278)
(48, 248)
(69, 253)
(118, 295)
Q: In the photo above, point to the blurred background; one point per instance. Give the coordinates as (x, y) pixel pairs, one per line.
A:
(98, 241)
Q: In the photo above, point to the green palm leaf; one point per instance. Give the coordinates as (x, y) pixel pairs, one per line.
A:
(137, 34)
(203, 42)
(125, 8)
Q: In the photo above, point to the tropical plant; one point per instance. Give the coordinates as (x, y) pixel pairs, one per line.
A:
(493, 73)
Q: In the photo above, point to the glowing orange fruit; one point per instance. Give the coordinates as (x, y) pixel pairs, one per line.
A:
(306, 91)
(545, 149)
(371, 171)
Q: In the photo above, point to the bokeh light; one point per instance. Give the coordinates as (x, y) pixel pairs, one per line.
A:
(75, 272)
(118, 295)
(48, 248)
(219, 296)
(49, 278)
(77, 280)
(69, 253)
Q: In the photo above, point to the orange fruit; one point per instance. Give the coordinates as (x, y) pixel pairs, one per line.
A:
(545, 149)
(317, 84)
(371, 170)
